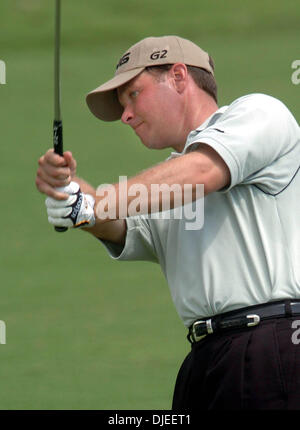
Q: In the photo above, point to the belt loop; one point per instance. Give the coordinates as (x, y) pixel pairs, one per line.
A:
(288, 308)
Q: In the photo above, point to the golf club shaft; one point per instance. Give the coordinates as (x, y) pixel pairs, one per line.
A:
(57, 123)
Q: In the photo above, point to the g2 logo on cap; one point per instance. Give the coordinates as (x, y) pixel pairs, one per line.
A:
(159, 54)
(123, 60)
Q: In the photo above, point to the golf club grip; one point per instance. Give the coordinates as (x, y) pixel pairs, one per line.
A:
(58, 149)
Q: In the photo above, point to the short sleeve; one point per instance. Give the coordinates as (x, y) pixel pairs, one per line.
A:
(259, 140)
(138, 245)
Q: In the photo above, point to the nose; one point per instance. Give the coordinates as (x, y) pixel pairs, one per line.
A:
(127, 115)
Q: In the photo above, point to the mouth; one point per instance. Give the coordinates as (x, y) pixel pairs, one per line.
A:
(136, 126)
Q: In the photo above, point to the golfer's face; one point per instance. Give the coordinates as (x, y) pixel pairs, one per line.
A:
(150, 108)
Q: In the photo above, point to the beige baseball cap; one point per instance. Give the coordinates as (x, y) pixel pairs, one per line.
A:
(152, 51)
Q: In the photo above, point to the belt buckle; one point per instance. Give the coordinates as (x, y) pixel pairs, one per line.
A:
(256, 320)
(208, 327)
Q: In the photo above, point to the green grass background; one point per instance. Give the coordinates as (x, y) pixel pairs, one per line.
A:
(83, 331)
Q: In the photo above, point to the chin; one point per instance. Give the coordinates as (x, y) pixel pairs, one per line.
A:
(154, 144)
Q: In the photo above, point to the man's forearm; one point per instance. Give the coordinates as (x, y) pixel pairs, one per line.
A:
(158, 188)
(187, 178)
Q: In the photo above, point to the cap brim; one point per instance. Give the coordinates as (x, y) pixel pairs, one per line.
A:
(103, 101)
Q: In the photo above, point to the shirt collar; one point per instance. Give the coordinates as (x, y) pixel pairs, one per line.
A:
(201, 127)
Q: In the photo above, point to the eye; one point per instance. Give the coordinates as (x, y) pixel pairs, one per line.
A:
(133, 94)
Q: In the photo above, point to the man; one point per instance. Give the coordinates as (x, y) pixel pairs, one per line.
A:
(236, 281)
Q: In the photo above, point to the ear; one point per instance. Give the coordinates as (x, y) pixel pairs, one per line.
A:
(179, 75)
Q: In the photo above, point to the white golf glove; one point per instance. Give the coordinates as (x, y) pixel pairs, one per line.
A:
(76, 211)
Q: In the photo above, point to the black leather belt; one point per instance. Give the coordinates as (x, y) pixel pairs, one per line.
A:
(242, 318)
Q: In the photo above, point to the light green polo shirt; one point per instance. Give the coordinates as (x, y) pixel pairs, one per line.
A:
(248, 250)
